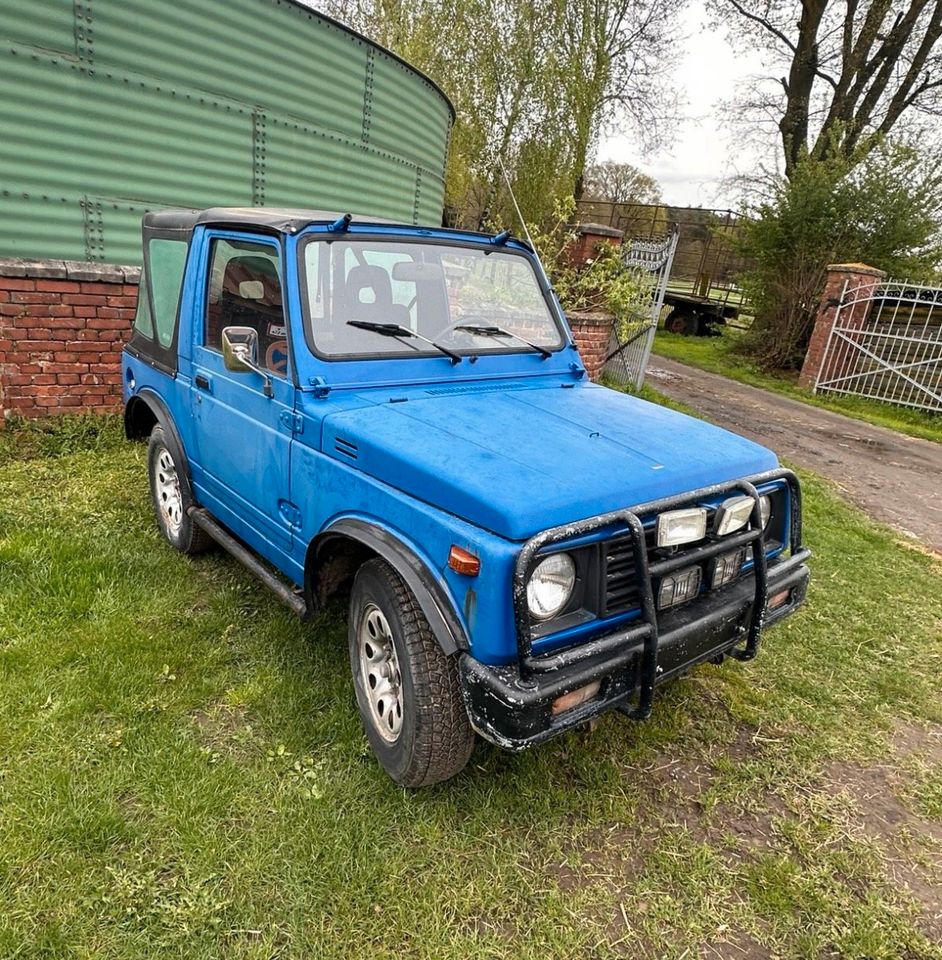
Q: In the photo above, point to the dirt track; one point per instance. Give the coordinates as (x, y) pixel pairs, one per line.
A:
(895, 478)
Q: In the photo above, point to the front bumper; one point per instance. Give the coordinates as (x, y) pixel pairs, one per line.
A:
(516, 713)
(512, 705)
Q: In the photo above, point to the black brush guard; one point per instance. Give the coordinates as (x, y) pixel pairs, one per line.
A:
(621, 647)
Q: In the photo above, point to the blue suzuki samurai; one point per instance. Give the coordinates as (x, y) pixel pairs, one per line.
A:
(400, 414)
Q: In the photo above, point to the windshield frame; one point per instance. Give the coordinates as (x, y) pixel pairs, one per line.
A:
(422, 236)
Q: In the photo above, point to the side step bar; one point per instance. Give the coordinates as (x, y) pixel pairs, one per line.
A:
(248, 559)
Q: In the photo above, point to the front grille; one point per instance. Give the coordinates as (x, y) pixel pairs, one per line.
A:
(620, 583)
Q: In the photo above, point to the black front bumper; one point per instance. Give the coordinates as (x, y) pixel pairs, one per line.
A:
(512, 705)
(516, 713)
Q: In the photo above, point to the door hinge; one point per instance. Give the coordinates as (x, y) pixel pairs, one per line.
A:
(292, 421)
(290, 514)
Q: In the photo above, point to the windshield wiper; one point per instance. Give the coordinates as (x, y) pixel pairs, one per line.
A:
(483, 331)
(396, 330)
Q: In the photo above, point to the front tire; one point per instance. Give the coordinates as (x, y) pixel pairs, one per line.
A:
(170, 498)
(407, 690)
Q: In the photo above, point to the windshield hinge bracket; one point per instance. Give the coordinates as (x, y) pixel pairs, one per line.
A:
(319, 387)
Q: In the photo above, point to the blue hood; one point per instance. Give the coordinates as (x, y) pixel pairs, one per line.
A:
(516, 459)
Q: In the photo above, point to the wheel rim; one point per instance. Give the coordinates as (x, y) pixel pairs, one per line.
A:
(379, 671)
(167, 487)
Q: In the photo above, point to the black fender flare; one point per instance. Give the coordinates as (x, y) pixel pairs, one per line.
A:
(430, 594)
(164, 419)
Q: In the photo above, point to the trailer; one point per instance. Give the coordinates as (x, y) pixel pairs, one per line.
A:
(702, 292)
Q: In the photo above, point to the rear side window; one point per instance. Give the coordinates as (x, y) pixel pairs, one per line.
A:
(166, 262)
(143, 321)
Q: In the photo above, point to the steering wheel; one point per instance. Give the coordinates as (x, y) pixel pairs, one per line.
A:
(468, 318)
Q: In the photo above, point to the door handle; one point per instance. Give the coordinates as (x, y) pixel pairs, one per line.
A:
(203, 382)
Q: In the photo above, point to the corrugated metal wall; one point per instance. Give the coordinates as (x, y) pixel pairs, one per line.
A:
(109, 108)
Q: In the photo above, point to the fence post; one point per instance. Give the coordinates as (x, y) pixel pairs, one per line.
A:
(592, 331)
(588, 238)
(855, 280)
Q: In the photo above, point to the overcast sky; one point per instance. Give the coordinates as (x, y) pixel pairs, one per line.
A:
(700, 153)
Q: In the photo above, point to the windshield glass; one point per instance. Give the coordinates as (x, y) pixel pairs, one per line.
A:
(429, 289)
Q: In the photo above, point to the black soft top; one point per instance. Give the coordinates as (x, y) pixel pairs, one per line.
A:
(273, 219)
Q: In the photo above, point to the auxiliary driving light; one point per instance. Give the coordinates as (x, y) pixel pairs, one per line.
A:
(681, 526)
(678, 587)
(727, 567)
(733, 515)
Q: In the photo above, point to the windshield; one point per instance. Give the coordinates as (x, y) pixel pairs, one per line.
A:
(428, 290)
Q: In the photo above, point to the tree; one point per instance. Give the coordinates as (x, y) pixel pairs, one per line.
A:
(884, 211)
(854, 70)
(533, 83)
(614, 55)
(620, 183)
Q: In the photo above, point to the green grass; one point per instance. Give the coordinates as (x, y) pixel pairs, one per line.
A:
(183, 773)
(717, 354)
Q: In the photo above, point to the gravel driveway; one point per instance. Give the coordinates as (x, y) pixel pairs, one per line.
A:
(895, 478)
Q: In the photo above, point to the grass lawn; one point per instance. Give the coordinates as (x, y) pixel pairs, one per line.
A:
(183, 773)
(716, 355)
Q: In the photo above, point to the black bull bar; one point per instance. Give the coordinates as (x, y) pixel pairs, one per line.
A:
(624, 643)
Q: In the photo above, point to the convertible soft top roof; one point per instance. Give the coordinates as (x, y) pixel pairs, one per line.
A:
(279, 220)
(276, 219)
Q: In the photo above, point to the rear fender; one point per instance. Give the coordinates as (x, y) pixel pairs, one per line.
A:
(156, 408)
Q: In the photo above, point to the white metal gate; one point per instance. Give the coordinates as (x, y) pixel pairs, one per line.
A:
(886, 344)
(633, 336)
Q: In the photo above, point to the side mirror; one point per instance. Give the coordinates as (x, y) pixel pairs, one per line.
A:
(240, 353)
(240, 348)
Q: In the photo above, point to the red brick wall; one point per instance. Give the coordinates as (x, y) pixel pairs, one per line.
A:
(858, 277)
(592, 333)
(62, 326)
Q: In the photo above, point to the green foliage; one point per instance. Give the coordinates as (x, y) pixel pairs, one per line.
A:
(884, 210)
(603, 283)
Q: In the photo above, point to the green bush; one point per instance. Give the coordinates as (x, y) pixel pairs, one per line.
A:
(883, 211)
(604, 283)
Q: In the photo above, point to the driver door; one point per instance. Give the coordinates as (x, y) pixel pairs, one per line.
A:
(244, 427)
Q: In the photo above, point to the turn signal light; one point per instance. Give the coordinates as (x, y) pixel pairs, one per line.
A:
(461, 561)
(778, 599)
(569, 700)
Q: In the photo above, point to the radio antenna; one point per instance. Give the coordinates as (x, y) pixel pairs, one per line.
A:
(523, 222)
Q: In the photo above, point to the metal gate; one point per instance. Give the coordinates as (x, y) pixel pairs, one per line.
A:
(633, 335)
(886, 344)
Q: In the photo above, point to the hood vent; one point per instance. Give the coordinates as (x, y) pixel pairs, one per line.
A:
(476, 388)
(345, 447)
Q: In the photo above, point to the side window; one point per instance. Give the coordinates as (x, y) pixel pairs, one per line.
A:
(143, 321)
(166, 262)
(244, 290)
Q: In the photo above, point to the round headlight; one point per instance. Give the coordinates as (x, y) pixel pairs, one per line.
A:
(550, 586)
(765, 510)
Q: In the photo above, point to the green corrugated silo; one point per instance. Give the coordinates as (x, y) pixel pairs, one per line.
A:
(109, 108)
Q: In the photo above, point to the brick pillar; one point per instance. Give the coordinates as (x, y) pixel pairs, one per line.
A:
(62, 326)
(592, 333)
(588, 237)
(860, 280)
